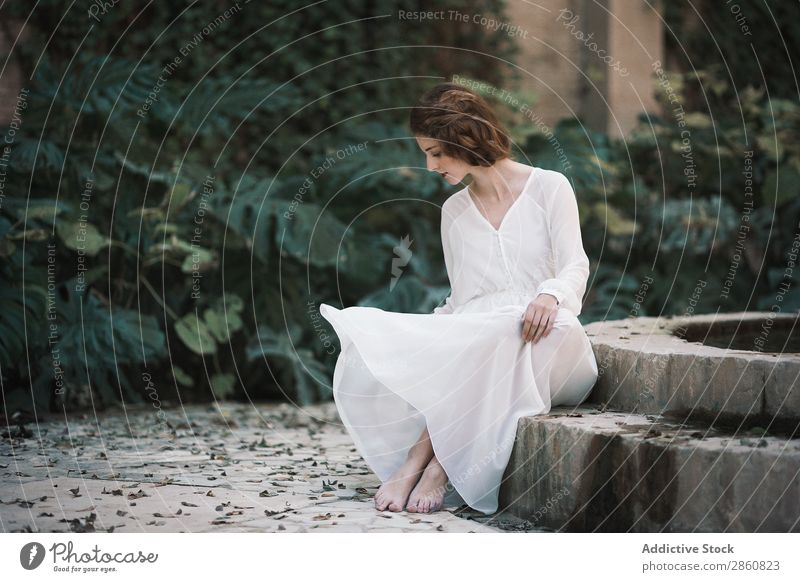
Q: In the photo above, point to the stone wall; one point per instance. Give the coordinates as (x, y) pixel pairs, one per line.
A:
(590, 59)
(11, 78)
(565, 71)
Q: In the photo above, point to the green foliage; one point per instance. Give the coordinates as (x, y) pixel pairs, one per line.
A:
(208, 192)
(208, 183)
(89, 349)
(642, 216)
(772, 33)
(295, 366)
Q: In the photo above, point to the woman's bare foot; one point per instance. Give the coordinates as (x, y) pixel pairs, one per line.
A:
(428, 495)
(393, 494)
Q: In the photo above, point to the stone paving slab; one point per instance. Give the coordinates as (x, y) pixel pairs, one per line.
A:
(228, 467)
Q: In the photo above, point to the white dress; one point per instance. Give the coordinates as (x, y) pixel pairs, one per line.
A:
(464, 370)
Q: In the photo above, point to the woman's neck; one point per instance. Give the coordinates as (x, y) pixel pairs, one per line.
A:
(499, 182)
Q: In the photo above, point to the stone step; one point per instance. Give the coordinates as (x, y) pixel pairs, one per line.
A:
(585, 469)
(682, 367)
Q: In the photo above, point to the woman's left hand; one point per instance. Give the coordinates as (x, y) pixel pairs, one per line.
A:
(539, 317)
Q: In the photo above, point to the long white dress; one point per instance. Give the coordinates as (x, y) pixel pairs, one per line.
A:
(464, 370)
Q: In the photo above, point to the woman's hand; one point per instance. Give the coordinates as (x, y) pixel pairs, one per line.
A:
(539, 317)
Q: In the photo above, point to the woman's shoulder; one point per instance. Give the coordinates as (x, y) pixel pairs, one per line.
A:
(454, 205)
(550, 178)
(550, 186)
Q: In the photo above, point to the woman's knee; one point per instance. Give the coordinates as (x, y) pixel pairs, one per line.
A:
(573, 371)
(567, 329)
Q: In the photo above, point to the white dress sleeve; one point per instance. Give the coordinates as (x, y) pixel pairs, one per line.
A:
(448, 262)
(571, 262)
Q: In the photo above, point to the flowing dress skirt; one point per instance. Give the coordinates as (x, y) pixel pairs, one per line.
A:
(469, 377)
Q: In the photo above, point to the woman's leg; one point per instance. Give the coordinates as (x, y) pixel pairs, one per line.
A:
(428, 495)
(422, 449)
(393, 494)
(565, 360)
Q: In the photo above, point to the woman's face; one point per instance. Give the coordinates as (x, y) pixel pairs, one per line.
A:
(452, 169)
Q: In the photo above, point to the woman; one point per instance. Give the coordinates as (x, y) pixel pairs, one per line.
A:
(432, 400)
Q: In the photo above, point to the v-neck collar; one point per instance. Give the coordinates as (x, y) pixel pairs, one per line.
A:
(510, 208)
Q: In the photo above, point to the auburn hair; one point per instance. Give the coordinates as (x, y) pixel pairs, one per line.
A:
(463, 122)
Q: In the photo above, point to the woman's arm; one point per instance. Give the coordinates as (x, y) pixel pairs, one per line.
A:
(572, 264)
(444, 228)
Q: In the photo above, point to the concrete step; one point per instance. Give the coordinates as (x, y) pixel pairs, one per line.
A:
(586, 468)
(676, 366)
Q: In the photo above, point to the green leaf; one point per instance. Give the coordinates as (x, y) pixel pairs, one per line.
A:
(223, 319)
(44, 211)
(5, 226)
(771, 145)
(178, 196)
(222, 385)
(233, 302)
(199, 259)
(784, 189)
(698, 120)
(195, 334)
(311, 235)
(79, 236)
(215, 322)
(617, 224)
(182, 377)
(168, 227)
(7, 248)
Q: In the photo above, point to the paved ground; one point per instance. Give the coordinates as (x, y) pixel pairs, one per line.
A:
(236, 467)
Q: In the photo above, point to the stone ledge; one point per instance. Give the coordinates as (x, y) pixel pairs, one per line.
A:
(644, 367)
(580, 469)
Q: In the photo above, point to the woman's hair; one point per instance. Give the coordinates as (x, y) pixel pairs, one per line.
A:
(463, 122)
